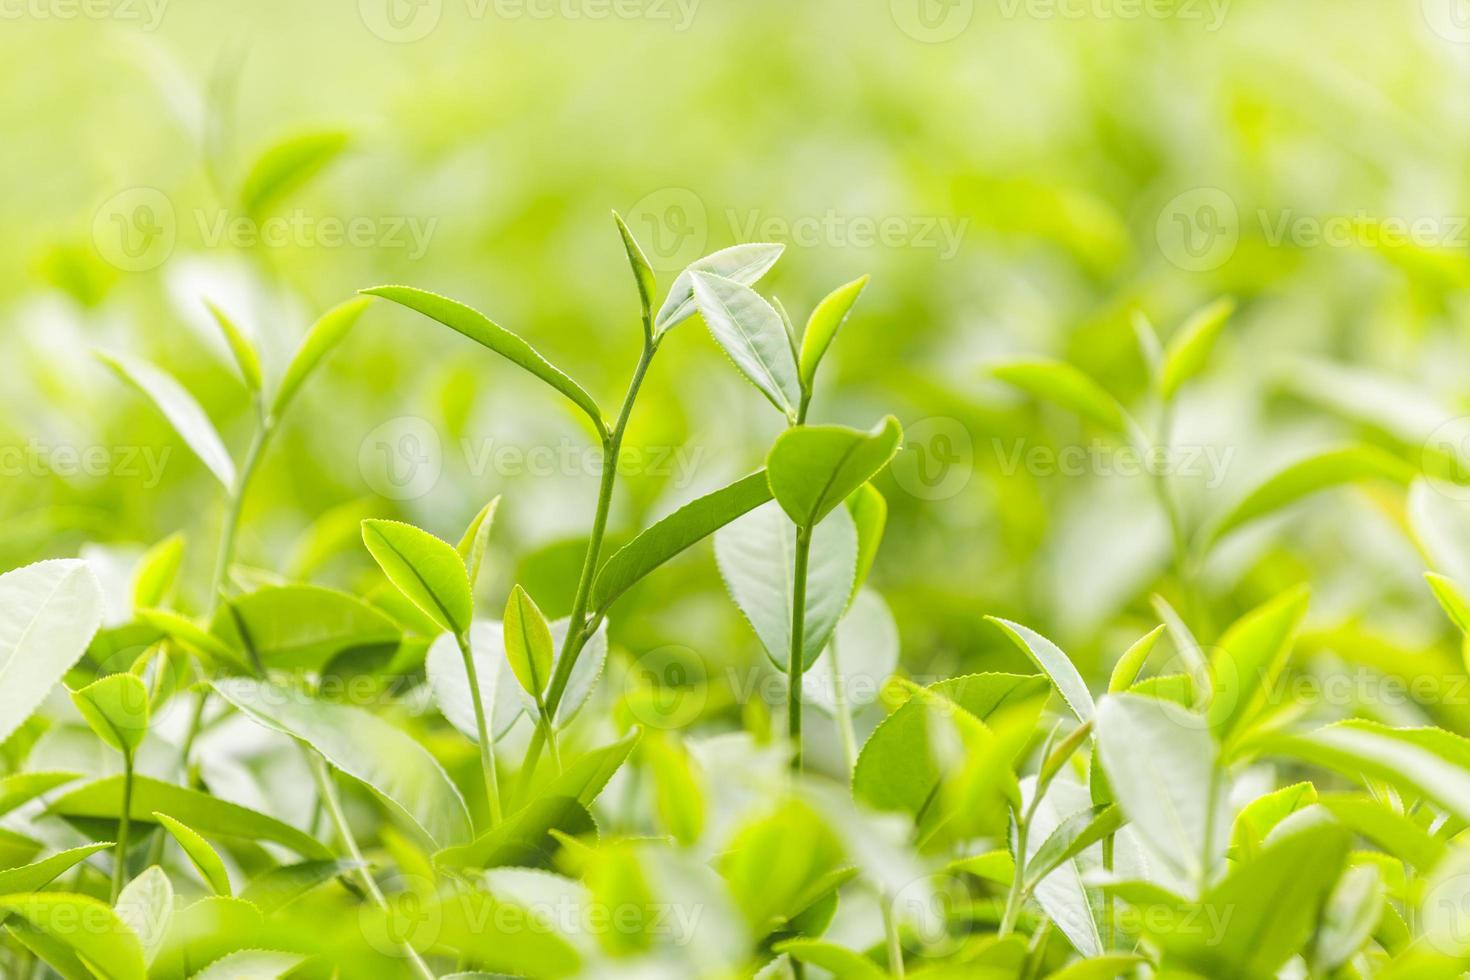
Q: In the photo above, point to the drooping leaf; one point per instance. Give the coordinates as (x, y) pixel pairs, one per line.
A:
(472, 546)
(49, 612)
(286, 167)
(398, 769)
(1322, 471)
(101, 800)
(1249, 659)
(744, 264)
(302, 626)
(22, 787)
(200, 854)
(751, 333)
(869, 516)
(528, 643)
(1059, 382)
(323, 336)
(1163, 768)
(823, 325)
(240, 347)
(1055, 664)
(1189, 349)
(669, 537)
(180, 409)
(642, 271)
(813, 468)
(480, 328)
(116, 708)
(425, 569)
(106, 945)
(756, 556)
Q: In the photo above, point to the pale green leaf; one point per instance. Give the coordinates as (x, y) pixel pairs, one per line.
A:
(1189, 349)
(200, 854)
(870, 516)
(116, 708)
(324, 335)
(246, 359)
(642, 271)
(176, 405)
(528, 643)
(813, 468)
(751, 333)
(157, 572)
(287, 166)
(744, 264)
(49, 612)
(425, 569)
(302, 626)
(1059, 382)
(1250, 657)
(146, 905)
(106, 945)
(1055, 664)
(1126, 670)
(476, 537)
(823, 325)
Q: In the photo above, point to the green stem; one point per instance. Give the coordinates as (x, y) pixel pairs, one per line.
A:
(482, 728)
(844, 710)
(1108, 845)
(1017, 893)
(794, 660)
(328, 795)
(895, 944)
(124, 830)
(577, 633)
(549, 731)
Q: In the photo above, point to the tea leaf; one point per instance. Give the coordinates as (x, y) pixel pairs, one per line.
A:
(1163, 769)
(1451, 599)
(744, 264)
(323, 336)
(750, 331)
(478, 327)
(866, 647)
(1060, 891)
(399, 770)
(33, 877)
(1064, 384)
(280, 886)
(814, 468)
(176, 405)
(1352, 914)
(834, 959)
(528, 644)
(755, 558)
(286, 167)
(1055, 664)
(1126, 670)
(116, 708)
(1190, 348)
(1260, 816)
(108, 946)
(472, 546)
(22, 787)
(1251, 655)
(678, 800)
(206, 646)
(49, 612)
(445, 668)
(642, 271)
(669, 537)
(146, 906)
(157, 571)
(302, 626)
(1070, 838)
(251, 964)
(869, 516)
(1392, 831)
(425, 569)
(1322, 471)
(200, 854)
(240, 347)
(101, 799)
(831, 313)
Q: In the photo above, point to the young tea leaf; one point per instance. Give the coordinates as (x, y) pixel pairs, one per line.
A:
(200, 854)
(286, 167)
(476, 537)
(814, 468)
(744, 264)
(246, 359)
(1126, 670)
(116, 708)
(324, 335)
(1189, 349)
(105, 942)
(157, 571)
(182, 411)
(528, 644)
(642, 271)
(49, 612)
(425, 569)
(831, 313)
(1059, 382)
(1055, 664)
(750, 331)
(869, 516)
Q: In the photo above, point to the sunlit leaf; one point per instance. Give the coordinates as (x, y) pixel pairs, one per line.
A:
(814, 468)
(175, 403)
(48, 614)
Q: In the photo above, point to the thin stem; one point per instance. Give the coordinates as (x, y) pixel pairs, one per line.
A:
(794, 660)
(1017, 892)
(890, 932)
(577, 633)
(844, 710)
(550, 735)
(328, 795)
(124, 830)
(482, 729)
(1109, 844)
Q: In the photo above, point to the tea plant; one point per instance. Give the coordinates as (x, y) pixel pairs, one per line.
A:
(208, 803)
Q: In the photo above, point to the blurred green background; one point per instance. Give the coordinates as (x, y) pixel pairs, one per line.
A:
(1018, 176)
